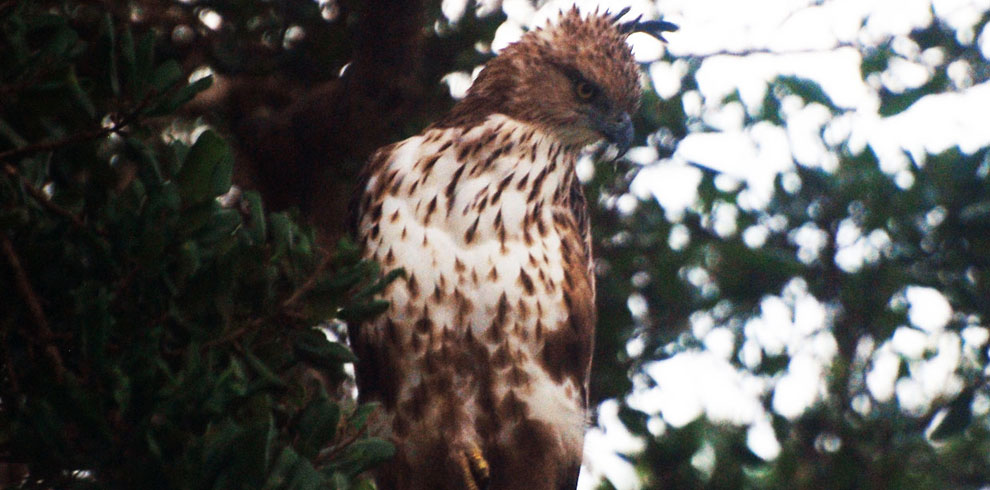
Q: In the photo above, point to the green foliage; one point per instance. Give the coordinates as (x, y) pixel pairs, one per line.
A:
(929, 222)
(151, 336)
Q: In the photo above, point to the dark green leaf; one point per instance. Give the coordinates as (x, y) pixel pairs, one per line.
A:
(364, 311)
(265, 373)
(207, 170)
(294, 472)
(314, 347)
(59, 43)
(109, 39)
(359, 417)
(79, 95)
(128, 59)
(149, 171)
(958, 418)
(258, 226)
(170, 104)
(166, 75)
(875, 60)
(364, 454)
(895, 103)
(318, 426)
(808, 90)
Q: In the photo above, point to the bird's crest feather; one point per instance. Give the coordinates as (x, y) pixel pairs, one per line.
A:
(655, 28)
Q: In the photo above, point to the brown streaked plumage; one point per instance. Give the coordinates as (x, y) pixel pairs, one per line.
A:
(481, 362)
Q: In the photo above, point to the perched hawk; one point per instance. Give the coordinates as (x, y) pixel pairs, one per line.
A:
(481, 362)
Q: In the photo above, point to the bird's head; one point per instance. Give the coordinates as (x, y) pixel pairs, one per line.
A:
(575, 79)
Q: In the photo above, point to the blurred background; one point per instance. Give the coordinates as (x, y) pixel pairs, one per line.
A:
(793, 260)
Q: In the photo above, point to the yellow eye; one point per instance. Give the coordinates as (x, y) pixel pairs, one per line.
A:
(585, 91)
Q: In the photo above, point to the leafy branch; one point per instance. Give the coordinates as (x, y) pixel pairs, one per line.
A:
(45, 146)
(42, 198)
(88, 135)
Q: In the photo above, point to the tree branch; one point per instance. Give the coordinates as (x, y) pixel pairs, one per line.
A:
(232, 336)
(43, 146)
(332, 454)
(15, 386)
(752, 51)
(285, 308)
(34, 306)
(308, 284)
(43, 198)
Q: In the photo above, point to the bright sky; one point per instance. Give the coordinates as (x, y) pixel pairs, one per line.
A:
(818, 40)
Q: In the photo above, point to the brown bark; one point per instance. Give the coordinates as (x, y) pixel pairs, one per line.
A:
(304, 147)
(307, 153)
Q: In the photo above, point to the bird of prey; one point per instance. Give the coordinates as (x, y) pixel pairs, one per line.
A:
(481, 362)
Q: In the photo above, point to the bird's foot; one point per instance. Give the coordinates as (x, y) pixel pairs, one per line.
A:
(474, 468)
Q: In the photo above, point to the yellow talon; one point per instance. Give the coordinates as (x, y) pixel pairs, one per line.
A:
(474, 468)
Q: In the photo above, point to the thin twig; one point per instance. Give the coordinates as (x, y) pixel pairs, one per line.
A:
(284, 310)
(752, 51)
(24, 287)
(308, 284)
(34, 306)
(15, 386)
(331, 454)
(232, 336)
(43, 146)
(17, 86)
(43, 198)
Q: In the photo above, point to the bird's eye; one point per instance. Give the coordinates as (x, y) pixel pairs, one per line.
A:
(585, 90)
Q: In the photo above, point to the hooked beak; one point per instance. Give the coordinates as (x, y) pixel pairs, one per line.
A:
(619, 131)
